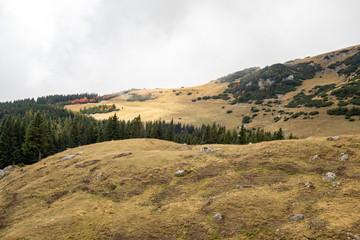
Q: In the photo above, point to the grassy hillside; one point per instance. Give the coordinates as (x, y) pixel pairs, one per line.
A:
(271, 90)
(96, 195)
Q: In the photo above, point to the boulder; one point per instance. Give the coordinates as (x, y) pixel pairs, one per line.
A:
(352, 236)
(343, 156)
(296, 217)
(334, 138)
(336, 184)
(2, 173)
(185, 144)
(218, 217)
(309, 185)
(180, 173)
(313, 158)
(329, 177)
(68, 157)
(206, 150)
(241, 186)
(98, 176)
(8, 169)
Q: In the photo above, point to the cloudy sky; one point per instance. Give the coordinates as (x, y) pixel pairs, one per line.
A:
(104, 46)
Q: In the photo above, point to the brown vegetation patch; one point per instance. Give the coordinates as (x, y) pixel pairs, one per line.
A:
(209, 171)
(55, 196)
(122, 155)
(87, 163)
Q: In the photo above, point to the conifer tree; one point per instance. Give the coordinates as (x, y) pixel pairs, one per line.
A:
(35, 139)
(169, 135)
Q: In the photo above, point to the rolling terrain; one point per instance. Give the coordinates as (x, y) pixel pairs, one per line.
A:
(291, 79)
(128, 190)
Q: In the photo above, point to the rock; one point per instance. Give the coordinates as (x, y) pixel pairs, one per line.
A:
(180, 173)
(80, 159)
(1, 190)
(336, 184)
(218, 217)
(309, 185)
(217, 149)
(343, 156)
(241, 186)
(8, 169)
(250, 143)
(98, 176)
(79, 153)
(329, 176)
(313, 158)
(352, 236)
(206, 150)
(68, 157)
(185, 144)
(2, 173)
(296, 217)
(334, 138)
(124, 154)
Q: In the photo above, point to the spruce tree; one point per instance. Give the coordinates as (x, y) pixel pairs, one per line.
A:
(35, 139)
(169, 135)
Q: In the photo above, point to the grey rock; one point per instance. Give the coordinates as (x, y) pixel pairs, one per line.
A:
(68, 157)
(8, 169)
(334, 138)
(343, 156)
(241, 186)
(352, 236)
(185, 144)
(98, 176)
(217, 149)
(296, 217)
(313, 158)
(329, 176)
(79, 153)
(309, 185)
(2, 173)
(336, 184)
(180, 173)
(218, 217)
(206, 150)
(1, 190)
(80, 159)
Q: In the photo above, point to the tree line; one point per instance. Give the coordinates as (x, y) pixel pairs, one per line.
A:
(26, 139)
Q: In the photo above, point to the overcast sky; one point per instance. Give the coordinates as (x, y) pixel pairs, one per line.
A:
(105, 46)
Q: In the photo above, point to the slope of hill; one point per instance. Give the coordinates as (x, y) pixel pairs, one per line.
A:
(105, 192)
(295, 96)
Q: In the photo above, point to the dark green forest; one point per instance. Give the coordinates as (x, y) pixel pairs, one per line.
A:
(30, 131)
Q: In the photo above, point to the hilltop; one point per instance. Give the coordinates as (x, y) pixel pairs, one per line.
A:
(295, 96)
(128, 190)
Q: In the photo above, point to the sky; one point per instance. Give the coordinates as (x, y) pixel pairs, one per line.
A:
(105, 46)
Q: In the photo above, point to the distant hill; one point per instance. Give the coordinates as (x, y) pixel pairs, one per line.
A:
(128, 190)
(306, 97)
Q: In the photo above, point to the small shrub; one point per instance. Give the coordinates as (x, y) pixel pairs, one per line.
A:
(229, 111)
(246, 119)
(314, 113)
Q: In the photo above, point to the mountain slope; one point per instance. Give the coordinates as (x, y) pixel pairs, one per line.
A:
(273, 97)
(106, 194)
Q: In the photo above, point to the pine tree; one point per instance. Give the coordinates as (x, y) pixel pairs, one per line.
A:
(169, 135)
(35, 139)
(243, 137)
(7, 142)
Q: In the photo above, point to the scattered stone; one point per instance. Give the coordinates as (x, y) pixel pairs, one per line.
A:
(334, 138)
(329, 176)
(180, 173)
(218, 217)
(185, 144)
(98, 176)
(250, 143)
(206, 150)
(352, 236)
(1, 190)
(336, 184)
(217, 149)
(296, 217)
(23, 169)
(79, 153)
(313, 158)
(124, 154)
(343, 156)
(241, 186)
(8, 169)
(309, 185)
(51, 220)
(80, 159)
(2, 173)
(68, 157)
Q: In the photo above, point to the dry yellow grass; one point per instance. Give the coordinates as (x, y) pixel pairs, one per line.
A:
(138, 196)
(167, 105)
